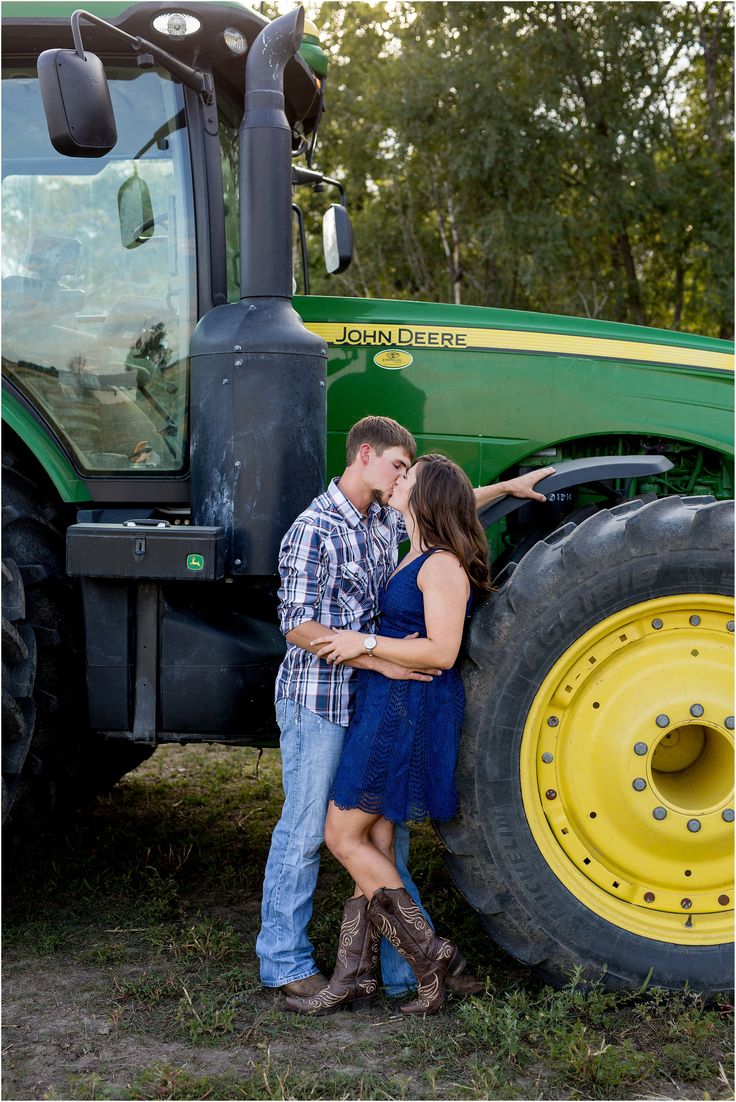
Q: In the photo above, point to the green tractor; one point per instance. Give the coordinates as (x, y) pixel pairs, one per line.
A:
(170, 405)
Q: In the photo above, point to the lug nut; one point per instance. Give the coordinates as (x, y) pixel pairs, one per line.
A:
(639, 784)
(693, 825)
(641, 749)
(729, 723)
(723, 900)
(551, 794)
(663, 720)
(656, 623)
(659, 813)
(547, 758)
(686, 904)
(727, 815)
(552, 721)
(648, 897)
(695, 621)
(697, 710)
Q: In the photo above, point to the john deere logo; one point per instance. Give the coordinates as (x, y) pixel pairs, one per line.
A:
(393, 359)
(195, 562)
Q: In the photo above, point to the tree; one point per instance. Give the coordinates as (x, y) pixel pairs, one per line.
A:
(563, 157)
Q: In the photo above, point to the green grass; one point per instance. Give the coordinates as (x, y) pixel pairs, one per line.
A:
(156, 890)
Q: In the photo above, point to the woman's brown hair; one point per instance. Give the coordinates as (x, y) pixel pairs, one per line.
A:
(443, 505)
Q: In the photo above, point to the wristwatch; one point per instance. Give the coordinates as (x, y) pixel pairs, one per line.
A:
(369, 644)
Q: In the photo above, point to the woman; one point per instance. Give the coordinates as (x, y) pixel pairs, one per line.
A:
(400, 751)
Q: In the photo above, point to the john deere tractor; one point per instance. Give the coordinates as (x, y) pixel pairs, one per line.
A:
(170, 406)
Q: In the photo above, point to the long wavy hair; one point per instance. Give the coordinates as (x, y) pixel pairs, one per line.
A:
(443, 505)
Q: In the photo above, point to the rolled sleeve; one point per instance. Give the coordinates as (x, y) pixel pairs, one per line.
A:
(302, 570)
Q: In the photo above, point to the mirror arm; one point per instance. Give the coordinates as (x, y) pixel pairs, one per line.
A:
(340, 187)
(301, 175)
(192, 78)
(302, 245)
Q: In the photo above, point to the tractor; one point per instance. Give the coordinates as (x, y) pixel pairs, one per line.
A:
(171, 404)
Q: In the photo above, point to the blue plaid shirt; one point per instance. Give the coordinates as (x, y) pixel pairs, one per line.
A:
(333, 562)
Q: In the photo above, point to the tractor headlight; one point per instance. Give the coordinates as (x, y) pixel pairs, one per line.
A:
(176, 24)
(235, 41)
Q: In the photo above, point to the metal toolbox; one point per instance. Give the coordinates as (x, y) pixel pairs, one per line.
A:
(150, 550)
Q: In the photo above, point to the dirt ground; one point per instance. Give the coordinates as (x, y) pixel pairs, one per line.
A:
(129, 972)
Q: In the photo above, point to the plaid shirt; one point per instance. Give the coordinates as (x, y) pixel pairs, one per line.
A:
(333, 563)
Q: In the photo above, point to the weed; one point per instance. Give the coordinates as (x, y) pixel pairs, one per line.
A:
(593, 1061)
(207, 1017)
(150, 989)
(109, 953)
(209, 941)
(88, 1087)
(682, 1062)
(163, 1081)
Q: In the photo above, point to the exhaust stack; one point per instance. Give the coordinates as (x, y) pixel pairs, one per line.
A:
(265, 148)
(258, 401)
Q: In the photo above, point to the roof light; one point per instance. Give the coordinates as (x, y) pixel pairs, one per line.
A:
(235, 41)
(176, 24)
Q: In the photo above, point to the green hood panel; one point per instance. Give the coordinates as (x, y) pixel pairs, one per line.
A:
(494, 386)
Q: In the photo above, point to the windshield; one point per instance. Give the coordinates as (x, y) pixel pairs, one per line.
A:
(98, 274)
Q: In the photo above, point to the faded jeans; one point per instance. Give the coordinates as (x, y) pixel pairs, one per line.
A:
(310, 752)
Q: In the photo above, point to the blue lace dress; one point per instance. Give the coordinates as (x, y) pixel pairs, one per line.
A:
(400, 750)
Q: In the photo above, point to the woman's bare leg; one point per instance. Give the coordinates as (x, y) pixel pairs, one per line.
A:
(347, 834)
(382, 836)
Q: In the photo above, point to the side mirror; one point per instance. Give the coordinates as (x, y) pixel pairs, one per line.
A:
(77, 104)
(135, 212)
(337, 239)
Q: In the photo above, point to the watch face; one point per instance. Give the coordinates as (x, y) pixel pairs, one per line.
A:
(370, 643)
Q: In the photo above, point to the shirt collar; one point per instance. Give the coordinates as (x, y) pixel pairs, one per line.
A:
(345, 507)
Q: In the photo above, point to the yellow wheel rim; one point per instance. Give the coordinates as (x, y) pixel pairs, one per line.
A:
(627, 769)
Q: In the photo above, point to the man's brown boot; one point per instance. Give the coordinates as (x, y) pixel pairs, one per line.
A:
(353, 984)
(308, 986)
(396, 916)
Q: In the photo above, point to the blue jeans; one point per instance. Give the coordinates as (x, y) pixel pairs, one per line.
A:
(310, 752)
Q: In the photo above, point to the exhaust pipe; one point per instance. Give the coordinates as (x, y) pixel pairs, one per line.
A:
(265, 148)
(258, 395)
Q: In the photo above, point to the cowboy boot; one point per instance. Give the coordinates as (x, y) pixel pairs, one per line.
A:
(353, 984)
(464, 985)
(396, 916)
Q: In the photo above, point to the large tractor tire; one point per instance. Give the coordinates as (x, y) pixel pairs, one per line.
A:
(596, 770)
(50, 760)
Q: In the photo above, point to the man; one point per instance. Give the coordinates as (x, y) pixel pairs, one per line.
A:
(334, 561)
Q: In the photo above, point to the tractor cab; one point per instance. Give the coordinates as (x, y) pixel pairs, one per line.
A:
(108, 261)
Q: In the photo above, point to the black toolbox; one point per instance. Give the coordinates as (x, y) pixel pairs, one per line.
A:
(152, 550)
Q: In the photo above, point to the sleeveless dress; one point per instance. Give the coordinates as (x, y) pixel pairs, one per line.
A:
(400, 751)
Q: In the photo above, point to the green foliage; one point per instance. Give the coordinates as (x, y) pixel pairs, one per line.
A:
(206, 1017)
(571, 158)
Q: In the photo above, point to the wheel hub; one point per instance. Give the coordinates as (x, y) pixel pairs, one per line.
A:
(627, 769)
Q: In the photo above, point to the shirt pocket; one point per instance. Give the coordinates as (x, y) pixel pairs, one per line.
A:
(354, 594)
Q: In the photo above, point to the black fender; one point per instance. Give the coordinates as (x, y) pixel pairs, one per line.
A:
(579, 472)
